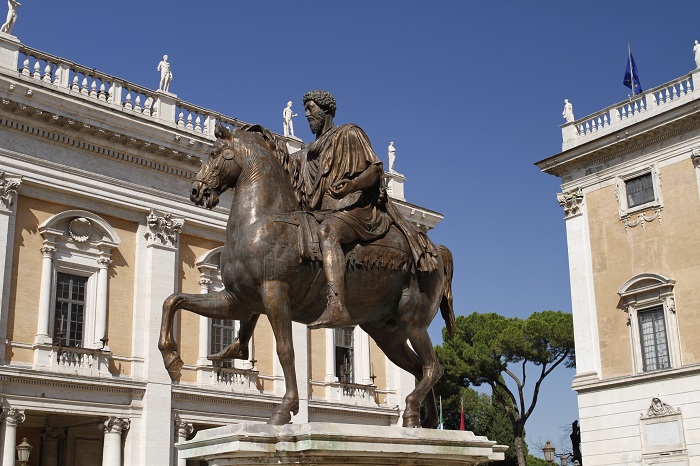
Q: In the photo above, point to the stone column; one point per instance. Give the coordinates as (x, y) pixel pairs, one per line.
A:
(51, 438)
(183, 429)
(202, 360)
(101, 304)
(330, 362)
(8, 190)
(157, 279)
(583, 306)
(112, 449)
(42, 330)
(10, 420)
(361, 362)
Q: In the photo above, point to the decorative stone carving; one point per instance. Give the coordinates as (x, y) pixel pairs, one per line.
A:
(183, 428)
(12, 6)
(166, 76)
(695, 156)
(163, 229)
(8, 190)
(641, 219)
(13, 416)
(287, 123)
(53, 434)
(116, 425)
(80, 229)
(696, 52)
(392, 156)
(659, 408)
(568, 112)
(571, 202)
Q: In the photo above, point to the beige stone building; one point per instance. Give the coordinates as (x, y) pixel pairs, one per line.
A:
(631, 198)
(96, 230)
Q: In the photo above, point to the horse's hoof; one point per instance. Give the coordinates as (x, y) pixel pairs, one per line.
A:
(429, 424)
(411, 421)
(174, 364)
(233, 351)
(279, 419)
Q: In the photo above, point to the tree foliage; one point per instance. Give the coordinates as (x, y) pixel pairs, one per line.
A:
(489, 348)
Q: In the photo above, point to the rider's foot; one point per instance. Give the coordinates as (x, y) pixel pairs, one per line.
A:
(335, 315)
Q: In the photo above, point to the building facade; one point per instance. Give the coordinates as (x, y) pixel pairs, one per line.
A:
(96, 230)
(631, 199)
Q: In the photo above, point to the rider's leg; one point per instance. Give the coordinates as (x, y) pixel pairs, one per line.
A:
(332, 233)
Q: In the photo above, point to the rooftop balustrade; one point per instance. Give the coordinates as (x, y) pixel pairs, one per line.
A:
(633, 110)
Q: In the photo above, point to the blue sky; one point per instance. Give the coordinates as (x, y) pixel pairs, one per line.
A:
(470, 92)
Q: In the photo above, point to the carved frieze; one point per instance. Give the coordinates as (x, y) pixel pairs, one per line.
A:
(116, 425)
(571, 201)
(8, 191)
(659, 408)
(163, 229)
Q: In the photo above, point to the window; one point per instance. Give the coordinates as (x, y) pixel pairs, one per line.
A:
(640, 190)
(344, 344)
(652, 331)
(650, 304)
(637, 193)
(223, 334)
(70, 310)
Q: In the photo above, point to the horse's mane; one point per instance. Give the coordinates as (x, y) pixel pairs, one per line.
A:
(276, 144)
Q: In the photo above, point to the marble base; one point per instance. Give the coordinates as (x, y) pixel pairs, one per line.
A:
(332, 444)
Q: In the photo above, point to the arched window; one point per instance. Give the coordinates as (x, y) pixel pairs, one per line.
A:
(650, 305)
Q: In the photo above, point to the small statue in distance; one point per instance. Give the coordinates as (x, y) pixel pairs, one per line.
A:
(12, 6)
(165, 74)
(392, 157)
(696, 50)
(568, 112)
(287, 122)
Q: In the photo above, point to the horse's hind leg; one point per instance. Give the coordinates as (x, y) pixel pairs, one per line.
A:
(215, 305)
(395, 346)
(431, 369)
(239, 349)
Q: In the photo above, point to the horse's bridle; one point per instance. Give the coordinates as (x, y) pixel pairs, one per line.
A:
(217, 173)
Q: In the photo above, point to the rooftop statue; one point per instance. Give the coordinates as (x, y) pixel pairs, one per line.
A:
(696, 50)
(12, 6)
(392, 156)
(287, 122)
(165, 74)
(292, 213)
(568, 112)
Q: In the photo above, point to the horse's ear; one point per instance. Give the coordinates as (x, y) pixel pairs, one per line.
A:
(221, 132)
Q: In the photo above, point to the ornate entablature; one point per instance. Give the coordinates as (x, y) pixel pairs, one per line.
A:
(571, 201)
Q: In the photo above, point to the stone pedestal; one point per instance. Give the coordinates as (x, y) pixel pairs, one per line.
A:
(333, 444)
(394, 185)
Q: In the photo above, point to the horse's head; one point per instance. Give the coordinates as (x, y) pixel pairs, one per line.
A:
(219, 173)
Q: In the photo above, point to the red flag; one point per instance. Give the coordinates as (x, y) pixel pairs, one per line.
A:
(461, 417)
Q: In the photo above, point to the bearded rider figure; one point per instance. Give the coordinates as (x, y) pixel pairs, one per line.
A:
(339, 181)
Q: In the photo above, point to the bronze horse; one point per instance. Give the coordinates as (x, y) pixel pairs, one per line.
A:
(263, 273)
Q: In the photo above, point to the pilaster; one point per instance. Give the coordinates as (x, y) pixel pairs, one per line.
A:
(112, 449)
(183, 429)
(8, 191)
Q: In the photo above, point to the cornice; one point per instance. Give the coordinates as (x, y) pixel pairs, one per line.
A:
(62, 126)
(82, 383)
(591, 383)
(618, 144)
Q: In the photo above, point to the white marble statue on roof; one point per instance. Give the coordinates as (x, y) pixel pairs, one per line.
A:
(568, 112)
(166, 76)
(12, 6)
(696, 50)
(287, 122)
(392, 156)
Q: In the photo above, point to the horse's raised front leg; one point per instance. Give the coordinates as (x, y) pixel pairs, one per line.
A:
(215, 305)
(276, 301)
(239, 349)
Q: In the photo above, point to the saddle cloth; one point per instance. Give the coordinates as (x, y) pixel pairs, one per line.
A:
(389, 252)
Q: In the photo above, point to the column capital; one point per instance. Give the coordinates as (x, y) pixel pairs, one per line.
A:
(53, 434)
(8, 190)
(116, 425)
(184, 428)
(103, 262)
(163, 229)
(13, 416)
(571, 201)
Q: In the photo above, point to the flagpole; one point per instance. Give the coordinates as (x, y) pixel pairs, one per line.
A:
(629, 58)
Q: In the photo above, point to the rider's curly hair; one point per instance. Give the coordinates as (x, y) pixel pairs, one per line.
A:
(323, 99)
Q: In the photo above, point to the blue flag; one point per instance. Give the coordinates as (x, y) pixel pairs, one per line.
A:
(632, 76)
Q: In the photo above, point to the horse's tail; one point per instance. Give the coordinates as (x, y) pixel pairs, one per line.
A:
(446, 309)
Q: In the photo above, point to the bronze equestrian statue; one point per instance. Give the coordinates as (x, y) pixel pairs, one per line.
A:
(292, 214)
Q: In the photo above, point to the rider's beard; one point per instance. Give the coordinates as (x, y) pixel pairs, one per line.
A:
(316, 124)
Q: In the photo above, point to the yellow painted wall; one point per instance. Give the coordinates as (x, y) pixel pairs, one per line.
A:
(378, 367)
(670, 248)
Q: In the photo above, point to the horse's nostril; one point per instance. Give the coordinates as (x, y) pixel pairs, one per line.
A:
(194, 192)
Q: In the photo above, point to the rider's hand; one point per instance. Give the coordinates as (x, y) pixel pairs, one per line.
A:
(342, 188)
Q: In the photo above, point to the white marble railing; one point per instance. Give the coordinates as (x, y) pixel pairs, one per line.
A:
(355, 394)
(237, 380)
(80, 360)
(633, 110)
(111, 91)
